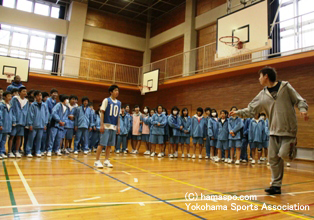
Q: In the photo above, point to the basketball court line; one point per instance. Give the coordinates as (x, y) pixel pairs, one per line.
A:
(87, 199)
(14, 180)
(28, 189)
(126, 189)
(155, 197)
(202, 188)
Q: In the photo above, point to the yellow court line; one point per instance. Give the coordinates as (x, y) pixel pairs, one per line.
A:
(205, 189)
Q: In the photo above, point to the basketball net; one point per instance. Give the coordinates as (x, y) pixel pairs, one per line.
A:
(234, 45)
(144, 89)
(9, 77)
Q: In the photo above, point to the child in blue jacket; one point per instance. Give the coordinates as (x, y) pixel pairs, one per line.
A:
(175, 129)
(83, 123)
(6, 119)
(223, 136)
(198, 128)
(37, 123)
(185, 133)
(124, 131)
(212, 132)
(235, 125)
(256, 135)
(159, 121)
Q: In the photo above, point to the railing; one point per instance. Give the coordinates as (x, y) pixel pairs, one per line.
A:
(291, 36)
(74, 67)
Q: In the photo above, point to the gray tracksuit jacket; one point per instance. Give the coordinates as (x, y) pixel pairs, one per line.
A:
(281, 112)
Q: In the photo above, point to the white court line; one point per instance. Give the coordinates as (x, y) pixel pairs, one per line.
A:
(14, 180)
(141, 204)
(135, 180)
(28, 189)
(126, 189)
(80, 200)
(126, 173)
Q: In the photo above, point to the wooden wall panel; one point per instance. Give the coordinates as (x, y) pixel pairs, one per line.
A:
(168, 49)
(206, 35)
(203, 6)
(94, 92)
(115, 23)
(113, 54)
(239, 91)
(168, 21)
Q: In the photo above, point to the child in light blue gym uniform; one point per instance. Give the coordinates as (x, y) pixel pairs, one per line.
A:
(145, 118)
(212, 132)
(185, 134)
(235, 124)
(175, 129)
(198, 128)
(256, 134)
(223, 136)
(159, 121)
(124, 131)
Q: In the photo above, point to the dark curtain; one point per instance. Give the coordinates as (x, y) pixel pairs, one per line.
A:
(275, 36)
(57, 50)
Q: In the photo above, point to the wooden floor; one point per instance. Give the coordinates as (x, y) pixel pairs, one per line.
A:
(141, 187)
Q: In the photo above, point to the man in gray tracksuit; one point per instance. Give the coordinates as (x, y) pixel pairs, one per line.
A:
(277, 100)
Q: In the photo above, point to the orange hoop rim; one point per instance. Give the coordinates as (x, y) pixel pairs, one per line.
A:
(231, 43)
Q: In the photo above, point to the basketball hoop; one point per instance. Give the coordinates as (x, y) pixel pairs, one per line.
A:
(144, 89)
(232, 41)
(9, 76)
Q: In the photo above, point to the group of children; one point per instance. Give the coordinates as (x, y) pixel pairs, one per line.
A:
(44, 125)
(47, 126)
(225, 138)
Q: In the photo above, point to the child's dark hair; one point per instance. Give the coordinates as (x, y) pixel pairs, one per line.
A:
(200, 109)
(207, 109)
(153, 109)
(63, 97)
(14, 90)
(175, 108)
(112, 87)
(30, 92)
(123, 106)
(159, 106)
(44, 94)
(37, 92)
(165, 110)
(90, 104)
(6, 93)
(226, 112)
(22, 88)
(136, 106)
(262, 114)
(53, 90)
(185, 109)
(126, 105)
(84, 98)
(212, 111)
(31, 99)
(271, 72)
(73, 97)
(233, 107)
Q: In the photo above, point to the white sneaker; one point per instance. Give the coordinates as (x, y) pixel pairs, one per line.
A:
(153, 154)
(95, 150)
(132, 152)
(125, 152)
(193, 157)
(253, 162)
(117, 151)
(103, 151)
(230, 161)
(250, 159)
(163, 154)
(75, 152)
(212, 158)
(18, 155)
(259, 162)
(85, 152)
(182, 156)
(244, 161)
(29, 155)
(38, 155)
(42, 154)
(237, 162)
(11, 155)
(175, 154)
(217, 160)
(108, 164)
(4, 156)
(222, 159)
(206, 157)
(200, 156)
(59, 153)
(288, 164)
(159, 155)
(226, 160)
(98, 164)
(267, 163)
(145, 153)
(189, 155)
(49, 154)
(170, 155)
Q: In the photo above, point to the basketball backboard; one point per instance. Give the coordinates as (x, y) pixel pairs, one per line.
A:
(14, 66)
(150, 81)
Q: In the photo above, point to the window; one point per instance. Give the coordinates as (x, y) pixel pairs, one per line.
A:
(37, 46)
(45, 9)
(41, 9)
(296, 24)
